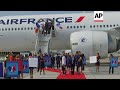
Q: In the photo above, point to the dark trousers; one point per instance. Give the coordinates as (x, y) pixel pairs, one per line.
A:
(83, 67)
(110, 69)
(77, 68)
(72, 69)
(38, 69)
(52, 65)
(58, 65)
(31, 72)
(48, 31)
(51, 27)
(63, 70)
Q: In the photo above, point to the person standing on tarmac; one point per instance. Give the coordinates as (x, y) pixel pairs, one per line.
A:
(75, 58)
(98, 62)
(52, 61)
(68, 62)
(72, 64)
(83, 61)
(64, 64)
(20, 67)
(110, 67)
(38, 63)
(79, 63)
(31, 68)
(58, 61)
(11, 57)
(42, 65)
(7, 59)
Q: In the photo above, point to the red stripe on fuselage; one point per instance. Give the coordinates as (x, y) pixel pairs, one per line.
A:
(80, 19)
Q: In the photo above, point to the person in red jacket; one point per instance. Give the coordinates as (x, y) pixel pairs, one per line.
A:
(20, 67)
(11, 57)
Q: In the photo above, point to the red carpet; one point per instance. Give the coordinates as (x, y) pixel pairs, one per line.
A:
(67, 76)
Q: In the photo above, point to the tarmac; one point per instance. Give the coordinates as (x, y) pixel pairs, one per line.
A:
(89, 72)
(48, 75)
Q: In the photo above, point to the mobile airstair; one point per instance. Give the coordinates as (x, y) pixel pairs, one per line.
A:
(43, 40)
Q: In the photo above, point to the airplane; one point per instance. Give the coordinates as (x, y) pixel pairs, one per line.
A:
(76, 31)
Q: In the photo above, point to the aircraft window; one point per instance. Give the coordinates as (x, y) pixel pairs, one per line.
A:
(67, 26)
(25, 28)
(21, 28)
(100, 25)
(97, 25)
(107, 25)
(74, 26)
(34, 28)
(117, 25)
(83, 26)
(80, 26)
(70, 26)
(94, 26)
(31, 28)
(28, 28)
(9, 29)
(15, 28)
(18, 28)
(110, 25)
(77, 26)
(90, 26)
(2, 29)
(113, 25)
(5, 29)
(103, 25)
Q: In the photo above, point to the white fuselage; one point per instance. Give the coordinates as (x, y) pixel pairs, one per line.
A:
(23, 38)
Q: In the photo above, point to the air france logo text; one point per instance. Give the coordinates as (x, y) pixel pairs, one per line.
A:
(34, 21)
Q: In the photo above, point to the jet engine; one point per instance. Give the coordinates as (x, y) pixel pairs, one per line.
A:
(92, 42)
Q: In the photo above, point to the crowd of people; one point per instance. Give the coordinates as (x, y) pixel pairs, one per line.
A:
(19, 59)
(68, 63)
(64, 62)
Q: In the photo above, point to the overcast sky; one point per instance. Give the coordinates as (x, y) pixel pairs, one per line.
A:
(11, 13)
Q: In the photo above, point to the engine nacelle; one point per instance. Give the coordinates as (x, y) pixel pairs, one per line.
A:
(90, 43)
(114, 40)
(112, 44)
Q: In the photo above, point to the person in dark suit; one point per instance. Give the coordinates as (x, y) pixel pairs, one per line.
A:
(83, 61)
(79, 62)
(41, 65)
(72, 64)
(58, 61)
(38, 63)
(53, 61)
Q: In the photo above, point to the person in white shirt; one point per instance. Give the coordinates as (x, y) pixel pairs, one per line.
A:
(63, 64)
